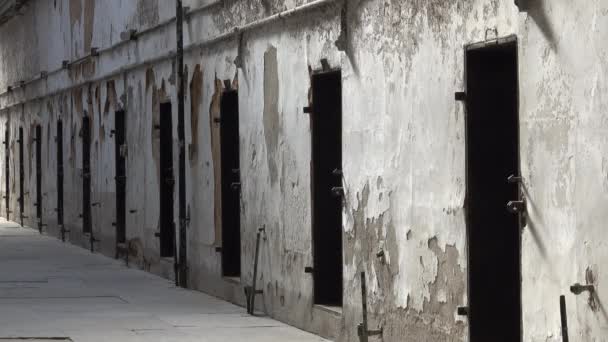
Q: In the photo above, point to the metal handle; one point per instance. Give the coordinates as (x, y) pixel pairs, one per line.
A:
(516, 207)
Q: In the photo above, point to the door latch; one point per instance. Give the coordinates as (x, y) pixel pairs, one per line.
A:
(513, 179)
(337, 191)
(236, 186)
(516, 207)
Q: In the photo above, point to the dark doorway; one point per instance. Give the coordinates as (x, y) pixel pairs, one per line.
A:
(7, 172)
(327, 192)
(121, 176)
(86, 176)
(59, 141)
(492, 156)
(21, 176)
(167, 183)
(231, 184)
(38, 140)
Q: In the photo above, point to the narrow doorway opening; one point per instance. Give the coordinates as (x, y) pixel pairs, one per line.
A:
(86, 175)
(167, 182)
(21, 177)
(231, 184)
(59, 141)
(38, 140)
(327, 192)
(493, 233)
(7, 173)
(121, 176)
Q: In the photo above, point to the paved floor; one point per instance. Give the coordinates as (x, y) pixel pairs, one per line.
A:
(51, 289)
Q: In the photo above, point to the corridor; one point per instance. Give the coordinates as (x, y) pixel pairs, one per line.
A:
(49, 289)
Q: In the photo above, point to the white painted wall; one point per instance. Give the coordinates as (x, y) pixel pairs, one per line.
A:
(403, 140)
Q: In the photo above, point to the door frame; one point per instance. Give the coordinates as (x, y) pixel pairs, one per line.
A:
(326, 69)
(507, 40)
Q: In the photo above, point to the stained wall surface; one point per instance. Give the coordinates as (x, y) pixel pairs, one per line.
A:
(404, 161)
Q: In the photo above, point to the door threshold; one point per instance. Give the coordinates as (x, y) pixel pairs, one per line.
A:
(233, 280)
(332, 309)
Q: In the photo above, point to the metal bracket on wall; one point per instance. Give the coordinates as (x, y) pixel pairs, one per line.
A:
(577, 289)
(462, 311)
(250, 291)
(460, 96)
(362, 329)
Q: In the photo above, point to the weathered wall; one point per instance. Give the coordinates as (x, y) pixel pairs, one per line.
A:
(403, 147)
(563, 106)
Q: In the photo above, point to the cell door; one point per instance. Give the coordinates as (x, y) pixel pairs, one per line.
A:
(7, 173)
(327, 193)
(167, 183)
(231, 184)
(121, 176)
(21, 177)
(59, 141)
(493, 193)
(86, 177)
(39, 206)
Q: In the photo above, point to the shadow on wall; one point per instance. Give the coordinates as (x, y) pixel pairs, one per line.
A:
(537, 10)
(532, 226)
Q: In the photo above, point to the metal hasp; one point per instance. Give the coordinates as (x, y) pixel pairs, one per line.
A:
(250, 291)
(564, 317)
(182, 276)
(362, 330)
(577, 289)
(519, 206)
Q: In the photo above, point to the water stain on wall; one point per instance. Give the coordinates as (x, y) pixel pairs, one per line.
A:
(271, 111)
(196, 100)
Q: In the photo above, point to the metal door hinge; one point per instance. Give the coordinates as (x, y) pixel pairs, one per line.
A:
(463, 311)
(460, 96)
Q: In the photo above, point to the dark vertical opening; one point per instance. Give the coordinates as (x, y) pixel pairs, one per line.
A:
(167, 183)
(327, 187)
(21, 176)
(39, 176)
(231, 184)
(59, 141)
(121, 176)
(86, 175)
(7, 172)
(492, 156)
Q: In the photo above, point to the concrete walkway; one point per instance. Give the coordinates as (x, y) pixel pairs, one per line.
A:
(51, 289)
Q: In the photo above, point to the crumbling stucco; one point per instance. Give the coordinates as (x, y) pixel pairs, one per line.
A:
(403, 147)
